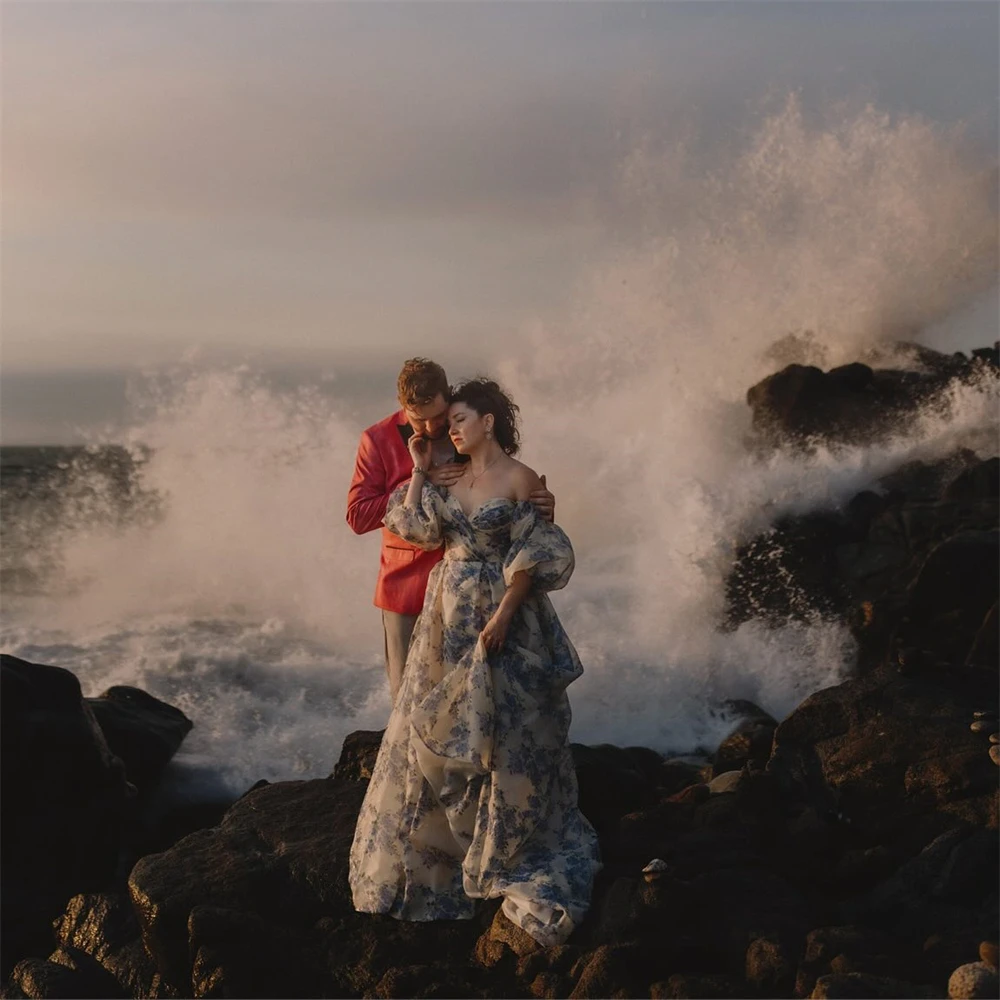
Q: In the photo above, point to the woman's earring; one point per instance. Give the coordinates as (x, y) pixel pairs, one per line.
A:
(489, 435)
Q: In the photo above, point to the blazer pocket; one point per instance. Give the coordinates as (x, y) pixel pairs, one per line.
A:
(399, 553)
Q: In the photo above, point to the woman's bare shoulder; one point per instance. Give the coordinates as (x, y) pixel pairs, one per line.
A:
(524, 480)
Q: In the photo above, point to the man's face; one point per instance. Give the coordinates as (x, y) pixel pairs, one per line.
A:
(429, 419)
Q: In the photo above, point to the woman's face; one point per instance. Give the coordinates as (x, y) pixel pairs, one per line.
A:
(466, 427)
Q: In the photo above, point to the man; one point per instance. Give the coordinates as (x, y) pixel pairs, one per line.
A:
(382, 463)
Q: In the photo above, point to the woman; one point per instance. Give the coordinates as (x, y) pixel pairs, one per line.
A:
(474, 792)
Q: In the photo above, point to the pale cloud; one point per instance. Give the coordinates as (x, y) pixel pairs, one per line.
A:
(300, 177)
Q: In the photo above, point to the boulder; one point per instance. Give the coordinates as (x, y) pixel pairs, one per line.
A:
(234, 956)
(980, 481)
(501, 936)
(972, 981)
(63, 802)
(748, 743)
(681, 986)
(984, 652)
(279, 854)
(853, 404)
(733, 907)
(886, 753)
(103, 926)
(861, 986)
(358, 754)
(832, 949)
(678, 773)
(622, 970)
(612, 782)
(141, 730)
(957, 585)
(769, 966)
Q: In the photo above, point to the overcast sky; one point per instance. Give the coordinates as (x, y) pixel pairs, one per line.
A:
(308, 182)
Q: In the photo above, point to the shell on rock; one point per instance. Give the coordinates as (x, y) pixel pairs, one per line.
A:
(654, 869)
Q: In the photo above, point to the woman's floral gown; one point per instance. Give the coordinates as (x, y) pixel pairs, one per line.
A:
(474, 793)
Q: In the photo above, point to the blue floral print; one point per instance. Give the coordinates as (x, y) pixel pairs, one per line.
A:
(474, 792)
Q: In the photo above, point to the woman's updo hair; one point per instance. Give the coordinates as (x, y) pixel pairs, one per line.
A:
(485, 396)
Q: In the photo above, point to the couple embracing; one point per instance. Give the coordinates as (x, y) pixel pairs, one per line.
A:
(474, 792)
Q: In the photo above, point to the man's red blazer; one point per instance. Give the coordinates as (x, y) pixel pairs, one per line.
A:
(383, 462)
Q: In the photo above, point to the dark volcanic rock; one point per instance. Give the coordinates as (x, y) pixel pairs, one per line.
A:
(854, 403)
(952, 593)
(103, 926)
(623, 970)
(141, 730)
(358, 755)
(280, 854)
(748, 743)
(63, 805)
(974, 980)
(861, 986)
(984, 652)
(234, 956)
(978, 482)
(883, 561)
(736, 906)
(887, 755)
(864, 949)
(770, 967)
(613, 781)
(693, 987)
(790, 571)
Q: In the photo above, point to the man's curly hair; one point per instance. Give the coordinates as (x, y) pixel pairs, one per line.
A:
(420, 381)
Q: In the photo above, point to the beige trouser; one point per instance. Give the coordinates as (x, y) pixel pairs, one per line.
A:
(398, 630)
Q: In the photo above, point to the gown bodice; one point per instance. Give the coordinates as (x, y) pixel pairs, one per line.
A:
(484, 534)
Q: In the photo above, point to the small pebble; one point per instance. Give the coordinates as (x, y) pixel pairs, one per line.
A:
(725, 782)
(972, 981)
(985, 715)
(994, 737)
(995, 754)
(989, 952)
(983, 726)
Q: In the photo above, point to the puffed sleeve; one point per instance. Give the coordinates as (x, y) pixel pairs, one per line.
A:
(540, 548)
(420, 527)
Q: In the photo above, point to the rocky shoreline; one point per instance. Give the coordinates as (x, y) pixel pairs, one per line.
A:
(850, 850)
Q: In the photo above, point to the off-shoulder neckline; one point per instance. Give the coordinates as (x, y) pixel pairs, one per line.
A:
(451, 496)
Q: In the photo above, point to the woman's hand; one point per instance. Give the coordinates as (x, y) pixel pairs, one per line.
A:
(495, 633)
(420, 451)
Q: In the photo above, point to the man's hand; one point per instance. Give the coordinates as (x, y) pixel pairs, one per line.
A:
(446, 475)
(495, 633)
(544, 502)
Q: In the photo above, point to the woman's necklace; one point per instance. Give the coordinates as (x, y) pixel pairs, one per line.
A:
(473, 478)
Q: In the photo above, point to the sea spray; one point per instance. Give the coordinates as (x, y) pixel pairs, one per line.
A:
(246, 599)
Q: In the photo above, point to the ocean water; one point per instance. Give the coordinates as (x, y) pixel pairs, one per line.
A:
(202, 553)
